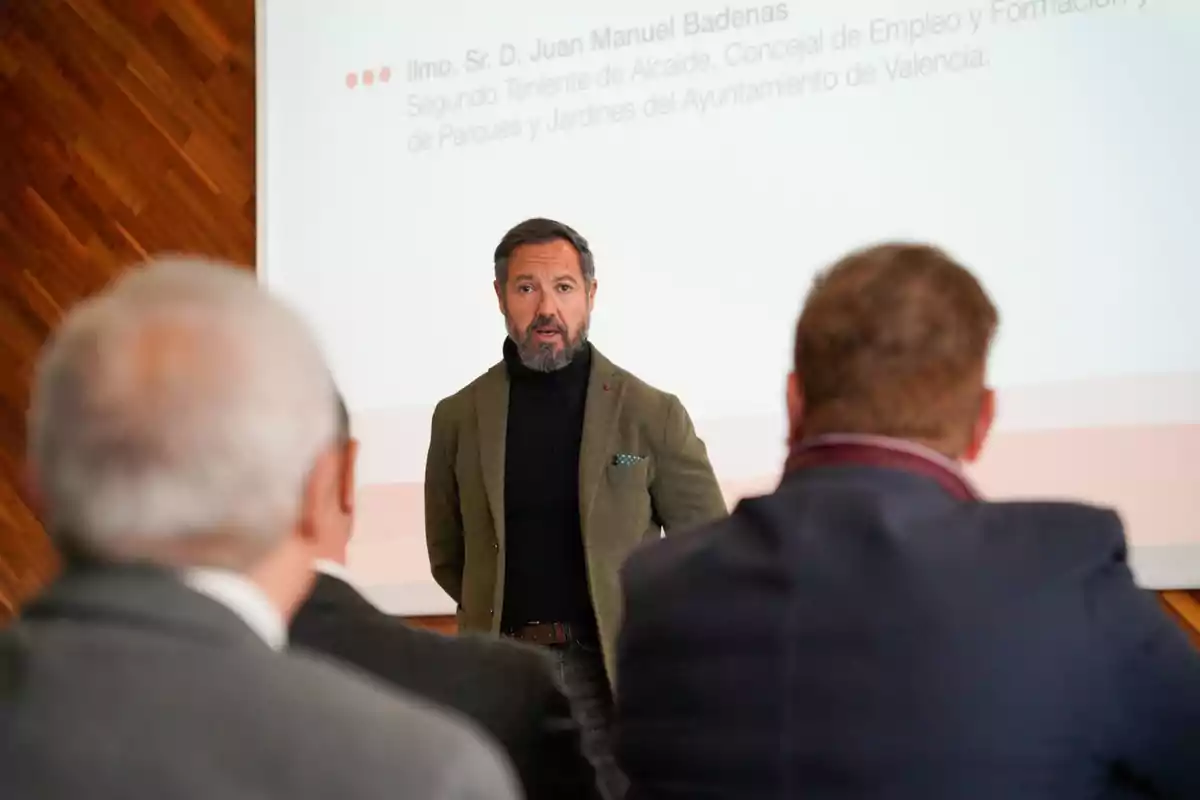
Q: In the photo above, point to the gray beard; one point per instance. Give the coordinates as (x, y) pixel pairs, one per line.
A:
(545, 357)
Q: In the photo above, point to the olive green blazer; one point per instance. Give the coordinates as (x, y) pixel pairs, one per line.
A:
(668, 486)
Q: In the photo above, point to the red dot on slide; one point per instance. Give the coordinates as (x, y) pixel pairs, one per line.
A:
(385, 74)
(351, 81)
(368, 77)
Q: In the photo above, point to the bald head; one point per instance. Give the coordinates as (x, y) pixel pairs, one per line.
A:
(181, 408)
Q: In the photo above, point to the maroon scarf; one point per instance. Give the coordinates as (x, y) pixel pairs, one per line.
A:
(818, 453)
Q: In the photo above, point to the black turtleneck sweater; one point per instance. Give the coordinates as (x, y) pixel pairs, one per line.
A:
(545, 575)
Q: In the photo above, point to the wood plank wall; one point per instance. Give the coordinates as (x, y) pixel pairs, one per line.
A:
(126, 128)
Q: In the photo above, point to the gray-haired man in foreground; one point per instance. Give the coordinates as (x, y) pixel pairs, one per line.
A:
(182, 450)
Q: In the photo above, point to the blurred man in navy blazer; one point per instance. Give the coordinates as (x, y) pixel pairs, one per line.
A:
(874, 628)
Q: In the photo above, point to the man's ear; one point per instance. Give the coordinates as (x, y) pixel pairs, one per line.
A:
(499, 287)
(348, 481)
(795, 408)
(591, 293)
(982, 427)
(321, 491)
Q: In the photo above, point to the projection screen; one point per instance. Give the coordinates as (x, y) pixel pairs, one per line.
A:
(718, 155)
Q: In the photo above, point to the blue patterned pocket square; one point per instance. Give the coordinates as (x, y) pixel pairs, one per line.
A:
(626, 460)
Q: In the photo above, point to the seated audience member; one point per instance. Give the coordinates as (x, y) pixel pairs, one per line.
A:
(506, 687)
(183, 448)
(876, 629)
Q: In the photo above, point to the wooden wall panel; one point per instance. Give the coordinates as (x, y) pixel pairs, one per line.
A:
(126, 128)
(1184, 607)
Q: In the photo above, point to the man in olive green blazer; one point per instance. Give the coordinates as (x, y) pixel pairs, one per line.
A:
(622, 503)
(548, 470)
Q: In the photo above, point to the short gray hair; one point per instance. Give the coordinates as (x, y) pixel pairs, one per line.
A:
(181, 405)
(540, 230)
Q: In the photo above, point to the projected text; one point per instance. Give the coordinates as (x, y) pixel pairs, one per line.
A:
(698, 63)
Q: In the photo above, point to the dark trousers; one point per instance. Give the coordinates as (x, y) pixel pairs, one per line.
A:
(581, 673)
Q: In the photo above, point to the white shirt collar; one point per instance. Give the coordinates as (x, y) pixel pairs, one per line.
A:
(241, 596)
(887, 443)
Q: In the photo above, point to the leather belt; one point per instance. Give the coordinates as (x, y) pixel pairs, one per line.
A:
(551, 633)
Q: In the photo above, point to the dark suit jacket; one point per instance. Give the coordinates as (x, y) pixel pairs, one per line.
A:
(862, 634)
(123, 683)
(622, 504)
(507, 688)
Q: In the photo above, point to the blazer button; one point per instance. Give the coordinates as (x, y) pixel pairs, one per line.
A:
(496, 546)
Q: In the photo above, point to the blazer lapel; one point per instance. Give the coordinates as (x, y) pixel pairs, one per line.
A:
(606, 389)
(491, 408)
